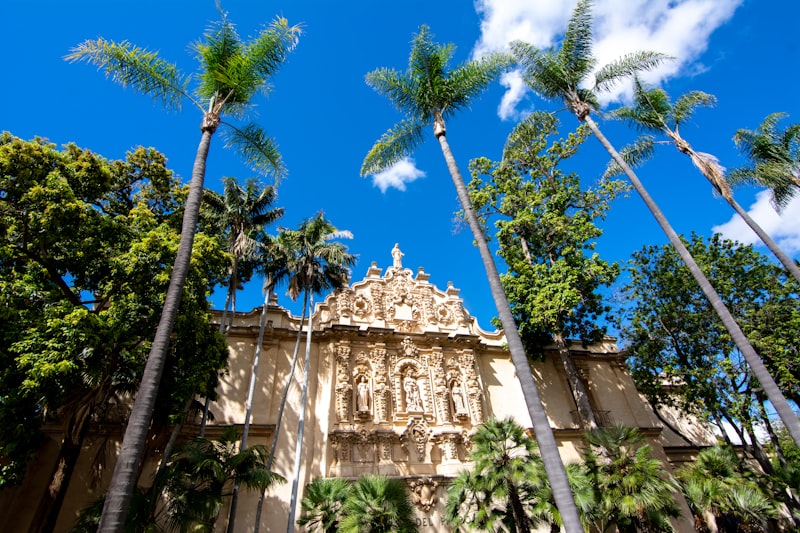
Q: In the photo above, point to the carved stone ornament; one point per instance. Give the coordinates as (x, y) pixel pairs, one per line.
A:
(415, 437)
(423, 493)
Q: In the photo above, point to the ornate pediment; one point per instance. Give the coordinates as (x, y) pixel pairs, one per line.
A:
(399, 300)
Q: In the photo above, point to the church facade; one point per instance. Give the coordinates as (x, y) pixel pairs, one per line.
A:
(401, 376)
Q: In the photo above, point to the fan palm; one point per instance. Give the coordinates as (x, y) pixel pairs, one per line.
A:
(317, 264)
(231, 73)
(563, 73)
(322, 504)
(774, 156)
(428, 94)
(378, 504)
(633, 491)
(654, 112)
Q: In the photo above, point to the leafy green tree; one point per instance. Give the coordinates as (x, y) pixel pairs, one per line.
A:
(774, 158)
(231, 73)
(721, 490)
(634, 493)
(84, 245)
(565, 73)
(428, 94)
(546, 230)
(317, 265)
(323, 503)
(676, 339)
(378, 504)
(654, 112)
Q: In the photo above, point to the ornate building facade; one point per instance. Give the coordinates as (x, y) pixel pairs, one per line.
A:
(400, 377)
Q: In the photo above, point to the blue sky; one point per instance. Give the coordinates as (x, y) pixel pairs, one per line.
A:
(325, 118)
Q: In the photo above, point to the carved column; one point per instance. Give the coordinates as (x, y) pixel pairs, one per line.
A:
(473, 388)
(381, 392)
(440, 385)
(344, 389)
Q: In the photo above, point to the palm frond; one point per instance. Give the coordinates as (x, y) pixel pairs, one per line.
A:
(634, 155)
(135, 67)
(470, 79)
(270, 48)
(609, 75)
(399, 89)
(258, 150)
(685, 105)
(575, 54)
(393, 145)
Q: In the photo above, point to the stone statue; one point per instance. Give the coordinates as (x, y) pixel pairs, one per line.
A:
(397, 256)
(457, 394)
(413, 400)
(362, 399)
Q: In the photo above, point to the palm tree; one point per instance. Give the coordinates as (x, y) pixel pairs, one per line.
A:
(322, 504)
(774, 157)
(428, 94)
(653, 111)
(563, 73)
(317, 265)
(241, 213)
(378, 504)
(203, 473)
(720, 488)
(633, 491)
(231, 73)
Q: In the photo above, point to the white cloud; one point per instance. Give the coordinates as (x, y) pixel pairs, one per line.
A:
(402, 172)
(678, 28)
(513, 96)
(784, 228)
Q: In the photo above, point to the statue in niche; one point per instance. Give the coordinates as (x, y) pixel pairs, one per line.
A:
(457, 394)
(363, 395)
(397, 256)
(413, 400)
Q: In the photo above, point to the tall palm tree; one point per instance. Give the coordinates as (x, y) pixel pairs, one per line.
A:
(652, 111)
(427, 94)
(378, 504)
(633, 491)
(231, 73)
(318, 264)
(774, 158)
(563, 73)
(322, 504)
(241, 214)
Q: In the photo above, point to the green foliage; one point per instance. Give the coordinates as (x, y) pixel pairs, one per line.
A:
(84, 249)
(633, 490)
(323, 504)
(774, 158)
(564, 72)
(675, 337)
(188, 494)
(427, 92)
(378, 504)
(720, 483)
(546, 230)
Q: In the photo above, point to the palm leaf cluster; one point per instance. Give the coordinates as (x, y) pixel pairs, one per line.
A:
(374, 503)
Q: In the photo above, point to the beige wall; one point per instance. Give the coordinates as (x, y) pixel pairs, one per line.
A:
(391, 326)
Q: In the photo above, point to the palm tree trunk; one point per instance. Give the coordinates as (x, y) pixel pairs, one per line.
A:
(248, 410)
(776, 250)
(757, 367)
(579, 393)
(520, 519)
(126, 470)
(302, 422)
(554, 467)
(281, 407)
